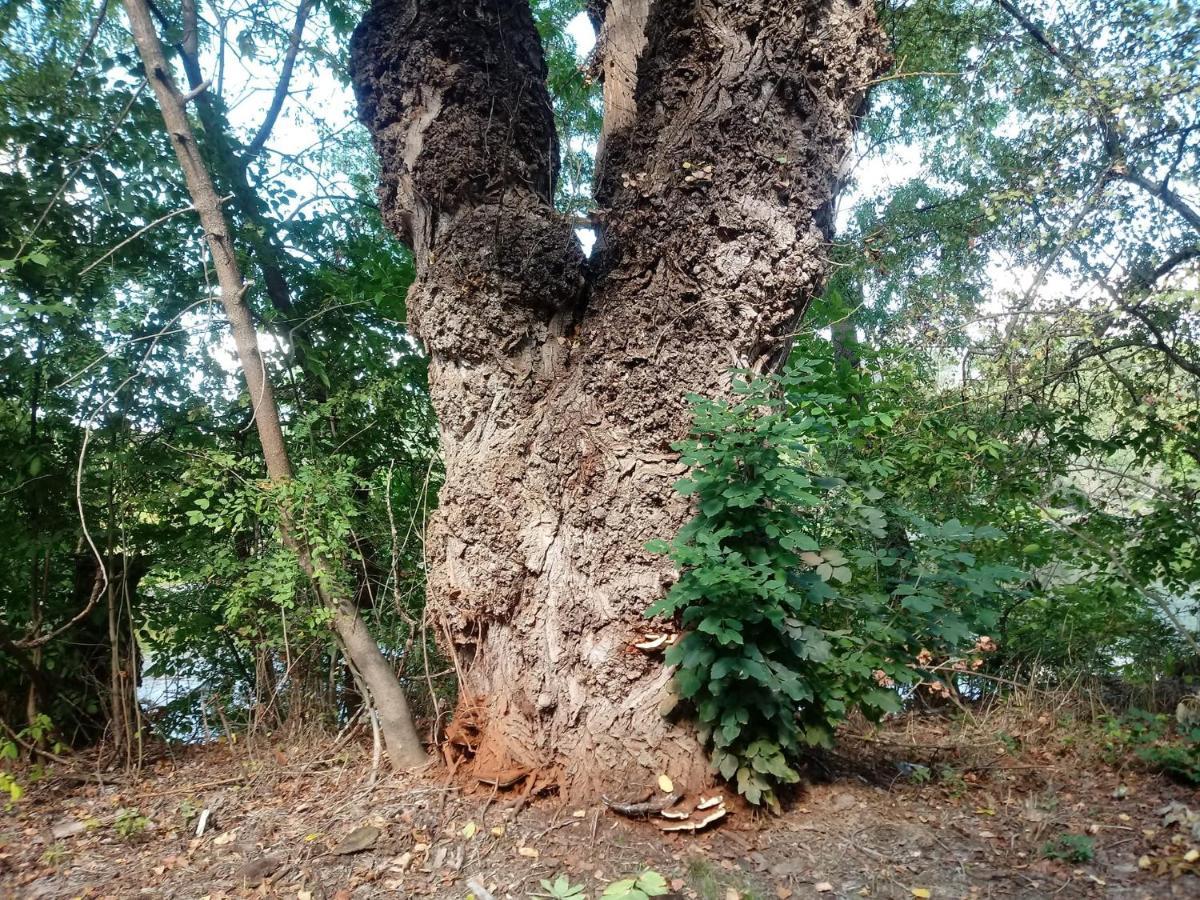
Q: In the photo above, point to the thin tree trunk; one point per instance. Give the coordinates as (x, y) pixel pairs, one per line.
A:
(400, 735)
(232, 162)
(560, 385)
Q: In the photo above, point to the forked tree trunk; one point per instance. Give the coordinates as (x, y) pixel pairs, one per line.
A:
(560, 384)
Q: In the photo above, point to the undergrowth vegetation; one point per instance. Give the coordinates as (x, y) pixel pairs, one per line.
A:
(845, 555)
(807, 588)
(1160, 742)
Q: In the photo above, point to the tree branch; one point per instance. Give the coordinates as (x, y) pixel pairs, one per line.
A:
(1161, 192)
(137, 234)
(403, 742)
(98, 586)
(1178, 258)
(190, 41)
(1126, 305)
(28, 239)
(1160, 341)
(1103, 115)
(91, 39)
(1180, 152)
(281, 89)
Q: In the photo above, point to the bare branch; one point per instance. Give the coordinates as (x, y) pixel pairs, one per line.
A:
(1180, 152)
(1176, 259)
(91, 39)
(196, 91)
(1160, 340)
(400, 734)
(98, 587)
(281, 89)
(137, 234)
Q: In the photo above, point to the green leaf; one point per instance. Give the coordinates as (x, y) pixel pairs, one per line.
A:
(798, 540)
(652, 884)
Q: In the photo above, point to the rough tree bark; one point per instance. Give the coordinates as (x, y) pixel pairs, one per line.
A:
(561, 383)
(403, 744)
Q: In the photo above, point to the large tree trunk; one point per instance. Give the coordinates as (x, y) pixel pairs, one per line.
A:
(561, 383)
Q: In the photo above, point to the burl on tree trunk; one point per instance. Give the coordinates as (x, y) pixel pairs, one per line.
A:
(561, 382)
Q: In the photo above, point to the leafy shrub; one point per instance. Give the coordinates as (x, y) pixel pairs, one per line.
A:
(55, 855)
(39, 732)
(1075, 848)
(130, 823)
(10, 787)
(1151, 739)
(642, 887)
(802, 594)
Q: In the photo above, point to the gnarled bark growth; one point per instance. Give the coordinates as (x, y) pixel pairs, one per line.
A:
(561, 383)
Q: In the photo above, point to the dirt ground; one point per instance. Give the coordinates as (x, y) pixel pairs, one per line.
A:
(921, 809)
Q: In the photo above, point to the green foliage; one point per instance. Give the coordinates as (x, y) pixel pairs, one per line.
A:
(111, 339)
(805, 590)
(561, 889)
(188, 810)
(1157, 744)
(40, 733)
(642, 887)
(130, 824)
(1011, 384)
(578, 107)
(1073, 848)
(10, 787)
(1023, 220)
(55, 854)
(648, 884)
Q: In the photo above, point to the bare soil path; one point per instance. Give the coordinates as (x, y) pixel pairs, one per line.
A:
(964, 820)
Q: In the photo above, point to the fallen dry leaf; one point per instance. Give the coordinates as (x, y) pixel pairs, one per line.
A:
(258, 870)
(528, 851)
(67, 829)
(361, 838)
